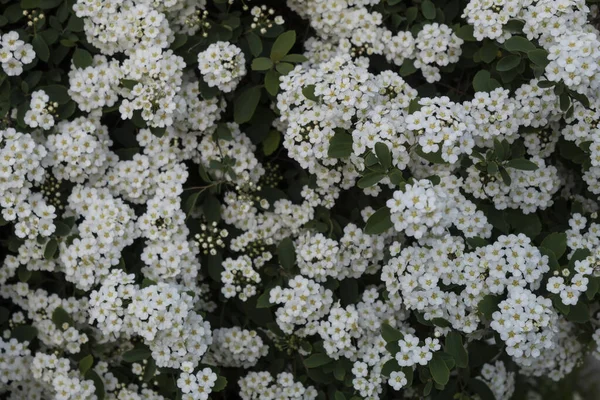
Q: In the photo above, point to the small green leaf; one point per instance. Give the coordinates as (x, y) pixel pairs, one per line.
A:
(82, 58)
(86, 363)
(282, 46)
(220, 384)
(557, 242)
(370, 179)
(271, 142)
(246, 103)
(488, 305)
(41, 48)
(24, 333)
(254, 43)
(317, 360)
(538, 57)
(137, 354)
(522, 164)
(57, 93)
(309, 93)
(50, 249)
(262, 64)
(390, 334)
(340, 145)
(439, 370)
(428, 9)
(519, 43)
(98, 384)
(507, 63)
(379, 222)
(272, 82)
(383, 154)
(60, 317)
(284, 68)
(454, 347)
(263, 300)
(481, 388)
(294, 58)
(286, 253)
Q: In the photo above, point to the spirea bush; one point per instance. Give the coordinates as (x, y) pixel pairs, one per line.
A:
(300, 199)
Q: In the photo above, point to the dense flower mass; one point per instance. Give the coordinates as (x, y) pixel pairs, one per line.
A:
(300, 199)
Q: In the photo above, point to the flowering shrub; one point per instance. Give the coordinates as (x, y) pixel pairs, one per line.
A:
(300, 199)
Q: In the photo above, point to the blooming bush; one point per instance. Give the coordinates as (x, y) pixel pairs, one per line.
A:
(300, 199)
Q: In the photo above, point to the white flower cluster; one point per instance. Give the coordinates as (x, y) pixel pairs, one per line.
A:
(157, 78)
(415, 276)
(356, 253)
(161, 314)
(560, 359)
(222, 65)
(14, 53)
(262, 385)
(303, 304)
(525, 323)
(412, 353)
(528, 190)
(95, 86)
(41, 110)
(59, 380)
(21, 168)
(436, 46)
(123, 26)
(107, 228)
(235, 347)
(196, 386)
(489, 17)
(80, 150)
(239, 278)
(500, 381)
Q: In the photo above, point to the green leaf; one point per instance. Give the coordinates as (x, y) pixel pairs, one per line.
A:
(557, 242)
(481, 388)
(29, 4)
(57, 93)
(60, 317)
(272, 82)
(390, 334)
(86, 363)
(488, 305)
(593, 287)
(271, 142)
(389, 367)
(340, 145)
(284, 68)
(309, 93)
(370, 179)
(98, 384)
(254, 43)
(262, 64)
(538, 57)
(579, 313)
(489, 51)
(519, 43)
(282, 46)
(24, 333)
(50, 249)
(379, 222)
(439, 370)
(383, 154)
(137, 354)
(41, 48)
(565, 101)
(507, 63)
(339, 395)
(286, 253)
(528, 224)
(23, 273)
(454, 347)
(483, 82)
(428, 9)
(263, 300)
(578, 255)
(220, 384)
(245, 105)
(294, 58)
(522, 164)
(82, 58)
(190, 203)
(317, 360)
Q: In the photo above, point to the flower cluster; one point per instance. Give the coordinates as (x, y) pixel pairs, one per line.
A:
(15, 53)
(262, 385)
(222, 65)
